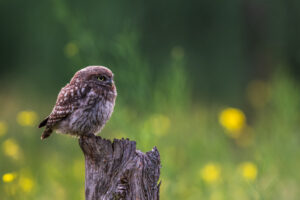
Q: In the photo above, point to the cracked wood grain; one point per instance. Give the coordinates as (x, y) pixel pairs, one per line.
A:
(117, 171)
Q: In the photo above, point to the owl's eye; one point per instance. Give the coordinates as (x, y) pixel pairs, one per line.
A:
(101, 78)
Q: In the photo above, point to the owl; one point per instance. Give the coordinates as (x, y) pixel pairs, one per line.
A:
(84, 105)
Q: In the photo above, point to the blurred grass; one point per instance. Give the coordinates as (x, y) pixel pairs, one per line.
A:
(200, 160)
(225, 144)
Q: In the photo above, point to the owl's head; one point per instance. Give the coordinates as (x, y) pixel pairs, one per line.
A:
(97, 75)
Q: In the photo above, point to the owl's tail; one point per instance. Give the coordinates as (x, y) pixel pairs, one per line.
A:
(47, 132)
(44, 122)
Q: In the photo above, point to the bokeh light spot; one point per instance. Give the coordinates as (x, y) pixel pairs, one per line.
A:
(3, 128)
(210, 173)
(71, 49)
(26, 184)
(11, 149)
(27, 118)
(9, 177)
(233, 120)
(158, 124)
(248, 171)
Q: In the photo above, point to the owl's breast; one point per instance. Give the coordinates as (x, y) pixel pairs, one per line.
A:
(89, 117)
(104, 109)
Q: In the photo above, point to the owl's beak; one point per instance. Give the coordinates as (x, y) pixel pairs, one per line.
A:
(110, 82)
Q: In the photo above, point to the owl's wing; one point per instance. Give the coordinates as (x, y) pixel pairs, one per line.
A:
(67, 101)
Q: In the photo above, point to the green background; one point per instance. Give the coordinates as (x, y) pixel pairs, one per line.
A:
(177, 65)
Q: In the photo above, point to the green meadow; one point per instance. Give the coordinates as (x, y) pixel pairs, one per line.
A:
(212, 151)
(215, 87)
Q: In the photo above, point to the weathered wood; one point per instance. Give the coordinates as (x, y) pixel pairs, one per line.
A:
(116, 170)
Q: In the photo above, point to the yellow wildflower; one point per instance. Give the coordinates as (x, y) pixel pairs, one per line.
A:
(248, 171)
(3, 128)
(26, 184)
(233, 120)
(158, 124)
(210, 173)
(9, 177)
(71, 49)
(27, 118)
(11, 149)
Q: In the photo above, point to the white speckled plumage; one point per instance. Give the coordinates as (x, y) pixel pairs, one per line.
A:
(84, 105)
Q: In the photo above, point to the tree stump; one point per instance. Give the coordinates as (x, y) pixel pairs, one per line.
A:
(116, 170)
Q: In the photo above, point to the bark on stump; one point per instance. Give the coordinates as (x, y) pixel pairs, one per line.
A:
(116, 170)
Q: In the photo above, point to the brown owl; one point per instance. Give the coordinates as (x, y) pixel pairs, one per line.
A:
(84, 105)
